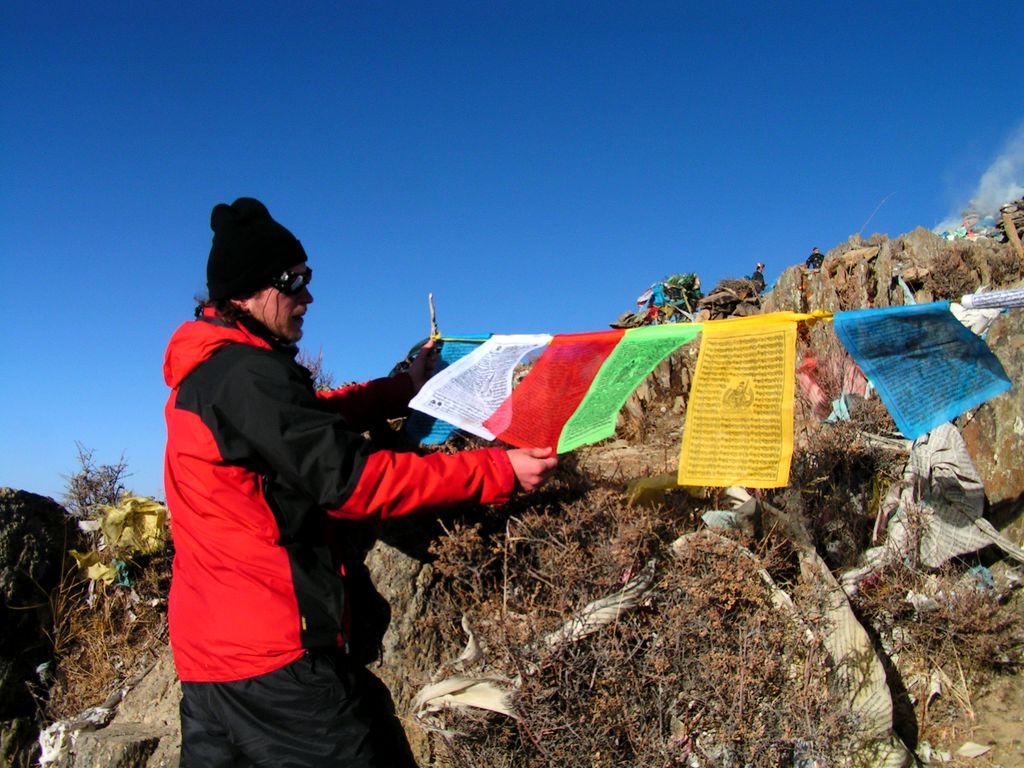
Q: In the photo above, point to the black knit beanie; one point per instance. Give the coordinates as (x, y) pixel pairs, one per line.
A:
(249, 248)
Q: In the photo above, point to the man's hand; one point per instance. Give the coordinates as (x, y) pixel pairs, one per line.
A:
(533, 466)
(422, 366)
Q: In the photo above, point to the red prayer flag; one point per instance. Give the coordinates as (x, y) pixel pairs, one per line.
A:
(533, 417)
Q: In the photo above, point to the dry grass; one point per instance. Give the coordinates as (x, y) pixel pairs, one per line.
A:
(105, 635)
(705, 671)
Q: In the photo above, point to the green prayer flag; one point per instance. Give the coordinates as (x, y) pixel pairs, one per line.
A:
(635, 356)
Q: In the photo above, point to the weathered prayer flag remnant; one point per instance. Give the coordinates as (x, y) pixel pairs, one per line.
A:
(428, 430)
(632, 360)
(1010, 297)
(927, 367)
(470, 390)
(739, 420)
(546, 399)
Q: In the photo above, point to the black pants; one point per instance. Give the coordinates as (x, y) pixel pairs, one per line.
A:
(318, 711)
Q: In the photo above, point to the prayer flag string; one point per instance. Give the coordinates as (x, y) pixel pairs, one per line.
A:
(926, 366)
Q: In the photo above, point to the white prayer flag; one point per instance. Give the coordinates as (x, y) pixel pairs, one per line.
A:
(468, 391)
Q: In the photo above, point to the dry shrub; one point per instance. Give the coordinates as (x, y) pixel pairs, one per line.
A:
(1005, 267)
(94, 484)
(839, 478)
(323, 378)
(705, 666)
(840, 470)
(948, 627)
(952, 274)
(106, 635)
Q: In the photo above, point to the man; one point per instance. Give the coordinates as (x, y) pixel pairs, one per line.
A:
(262, 476)
(758, 277)
(815, 259)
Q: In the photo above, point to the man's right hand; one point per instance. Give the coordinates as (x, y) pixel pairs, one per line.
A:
(533, 466)
(422, 366)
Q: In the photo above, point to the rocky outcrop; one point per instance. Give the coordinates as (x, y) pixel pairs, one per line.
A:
(116, 746)
(919, 266)
(35, 534)
(994, 433)
(1011, 220)
(411, 652)
(136, 727)
(146, 724)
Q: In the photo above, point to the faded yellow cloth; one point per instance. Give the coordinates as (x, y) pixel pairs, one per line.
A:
(135, 526)
(89, 563)
(739, 419)
(651, 491)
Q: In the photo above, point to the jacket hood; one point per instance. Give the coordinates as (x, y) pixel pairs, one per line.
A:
(197, 340)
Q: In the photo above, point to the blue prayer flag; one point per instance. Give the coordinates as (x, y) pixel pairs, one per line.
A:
(427, 430)
(927, 367)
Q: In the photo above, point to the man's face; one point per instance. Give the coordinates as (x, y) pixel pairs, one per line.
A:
(280, 313)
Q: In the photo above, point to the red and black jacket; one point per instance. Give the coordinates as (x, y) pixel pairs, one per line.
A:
(256, 461)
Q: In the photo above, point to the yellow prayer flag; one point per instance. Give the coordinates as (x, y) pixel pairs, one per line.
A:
(739, 419)
(135, 526)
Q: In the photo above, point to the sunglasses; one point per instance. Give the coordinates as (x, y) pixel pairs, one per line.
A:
(290, 283)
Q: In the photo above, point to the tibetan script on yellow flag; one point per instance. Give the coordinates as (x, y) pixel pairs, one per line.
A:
(739, 420)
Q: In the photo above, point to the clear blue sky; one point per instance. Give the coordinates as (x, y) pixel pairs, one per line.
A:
(534, 164)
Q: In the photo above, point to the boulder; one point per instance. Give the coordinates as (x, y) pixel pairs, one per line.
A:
(35, 533)
(136, 727)
(146, 729)
(120, 746)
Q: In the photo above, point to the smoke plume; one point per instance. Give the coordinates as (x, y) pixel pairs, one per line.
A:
(1000, 184)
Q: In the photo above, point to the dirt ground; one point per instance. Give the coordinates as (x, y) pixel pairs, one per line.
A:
(998, 719)
(999, 722)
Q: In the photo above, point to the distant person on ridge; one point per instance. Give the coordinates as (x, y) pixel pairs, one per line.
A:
(266, 482)
(757, 278)
(815, 259)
